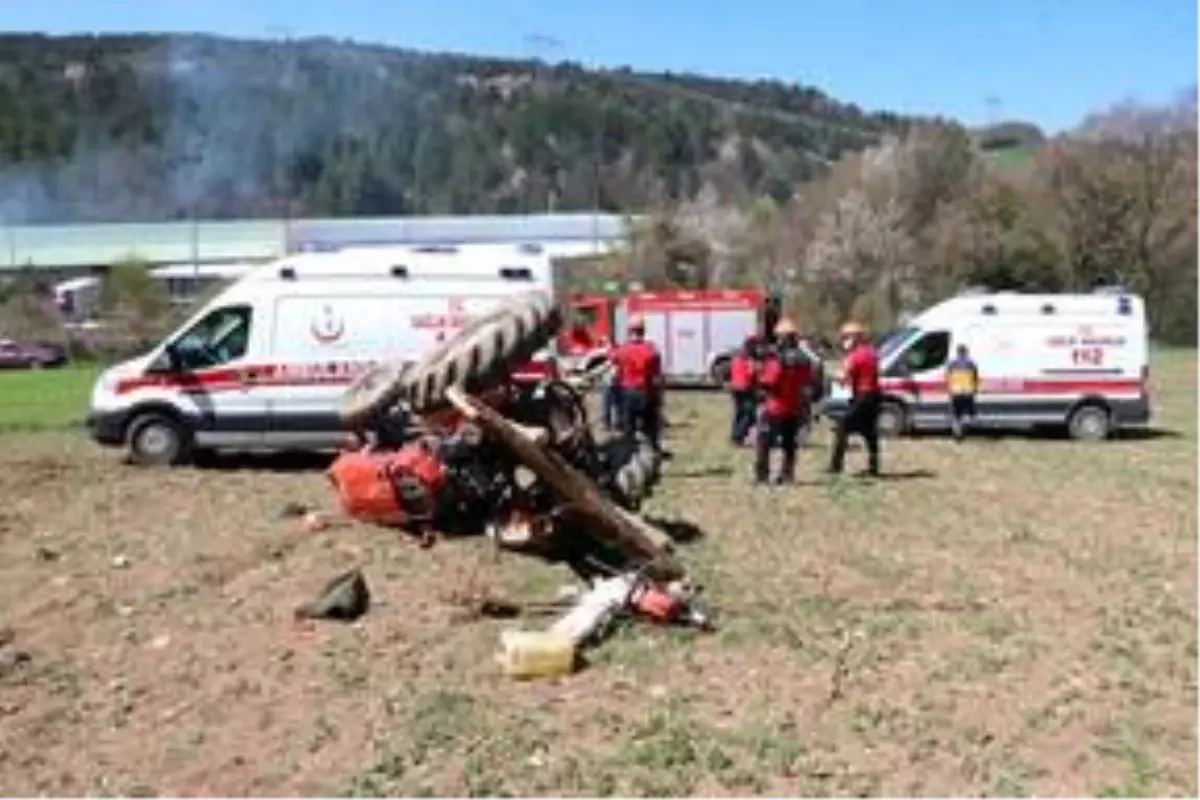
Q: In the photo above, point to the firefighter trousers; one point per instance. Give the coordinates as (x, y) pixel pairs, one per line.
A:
(962, 414)
(776, 432)
(642, 413)
(743, 415)
(611, 407)
(861, 418)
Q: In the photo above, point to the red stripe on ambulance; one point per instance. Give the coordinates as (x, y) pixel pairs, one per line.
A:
(251, 376)
(1019, 386)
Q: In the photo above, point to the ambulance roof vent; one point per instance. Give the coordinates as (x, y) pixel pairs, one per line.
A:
(1048, 308)
(435, 248)
(399, 271)
(516, 273)
(529, 248)
(988, 309)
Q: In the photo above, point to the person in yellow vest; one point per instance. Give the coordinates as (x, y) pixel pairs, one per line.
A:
(962, 384)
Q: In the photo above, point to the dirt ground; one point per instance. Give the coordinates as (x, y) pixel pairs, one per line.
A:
(1009, 616)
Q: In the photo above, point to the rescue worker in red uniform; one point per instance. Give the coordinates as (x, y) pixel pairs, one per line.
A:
(742, 376)
(861, 373)
(639, 373)
(785, 382)
(612, 407)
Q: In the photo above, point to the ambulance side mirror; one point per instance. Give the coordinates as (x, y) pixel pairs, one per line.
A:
(167, 361)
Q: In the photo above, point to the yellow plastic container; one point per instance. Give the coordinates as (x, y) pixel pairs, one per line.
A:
(526, 655)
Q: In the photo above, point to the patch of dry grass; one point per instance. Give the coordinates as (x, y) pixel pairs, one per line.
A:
(1021, 621)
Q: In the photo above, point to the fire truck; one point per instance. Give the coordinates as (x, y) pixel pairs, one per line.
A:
(697, 331)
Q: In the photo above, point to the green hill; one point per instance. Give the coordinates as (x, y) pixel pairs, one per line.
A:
(144, 127)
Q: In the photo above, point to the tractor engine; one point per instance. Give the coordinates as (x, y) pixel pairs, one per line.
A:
(453, 480)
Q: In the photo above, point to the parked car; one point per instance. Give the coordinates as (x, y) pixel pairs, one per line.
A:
(31, 355)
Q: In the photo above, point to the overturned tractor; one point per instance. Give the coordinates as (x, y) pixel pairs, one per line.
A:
(480, 437)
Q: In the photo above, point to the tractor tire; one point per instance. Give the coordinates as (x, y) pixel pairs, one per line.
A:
(637, 476)
(482, 354)
(372, 395)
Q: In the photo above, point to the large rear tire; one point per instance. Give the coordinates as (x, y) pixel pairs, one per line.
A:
(483, 353)
(477, 357)
(372, 394)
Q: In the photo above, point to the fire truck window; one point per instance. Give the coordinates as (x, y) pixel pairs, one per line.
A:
(586, 317)
(929, 352)
(219, 338)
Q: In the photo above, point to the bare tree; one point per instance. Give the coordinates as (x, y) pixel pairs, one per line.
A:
(28, 312)
(861, 248)
(915, 219)
(663, 253)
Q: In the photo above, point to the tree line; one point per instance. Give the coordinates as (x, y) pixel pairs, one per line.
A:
(745, 183)
(882, 233)
(925, 215)
(117, 128)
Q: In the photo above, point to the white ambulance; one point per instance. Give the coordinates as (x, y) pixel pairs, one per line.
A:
(1074, 360)
(264, 364)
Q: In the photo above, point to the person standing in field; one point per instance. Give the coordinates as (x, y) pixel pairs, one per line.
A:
(639, 374)
(814, 392)
(611, 401)
(785, 382)
(742, 376)
(861, 373)
(962, 384)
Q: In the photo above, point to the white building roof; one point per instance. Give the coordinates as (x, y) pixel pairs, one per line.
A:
(76, 246)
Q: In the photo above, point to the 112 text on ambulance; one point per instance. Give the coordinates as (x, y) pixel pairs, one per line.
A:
(1087, 356)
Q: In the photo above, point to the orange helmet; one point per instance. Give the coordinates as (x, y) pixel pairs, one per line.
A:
(853, 329)
(786, 327)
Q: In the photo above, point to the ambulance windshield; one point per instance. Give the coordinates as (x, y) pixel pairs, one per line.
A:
(218, 338)
(892, 340)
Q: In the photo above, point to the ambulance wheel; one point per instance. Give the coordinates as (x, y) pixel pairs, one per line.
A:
(892, 420)
(1089, 423)
(156, 440)
(483, 353)
(372, 394)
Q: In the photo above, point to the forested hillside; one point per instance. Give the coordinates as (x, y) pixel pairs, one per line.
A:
(156, 127)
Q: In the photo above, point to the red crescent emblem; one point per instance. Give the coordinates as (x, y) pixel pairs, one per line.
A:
(331, 330)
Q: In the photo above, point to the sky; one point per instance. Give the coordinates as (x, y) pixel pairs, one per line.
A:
(1047, 61)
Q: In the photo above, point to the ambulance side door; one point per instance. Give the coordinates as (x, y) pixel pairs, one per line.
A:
(219, 363)
(918, 377)
(304, 341)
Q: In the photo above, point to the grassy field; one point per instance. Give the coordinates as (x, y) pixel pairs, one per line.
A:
(47, 399)
(1003, 617)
